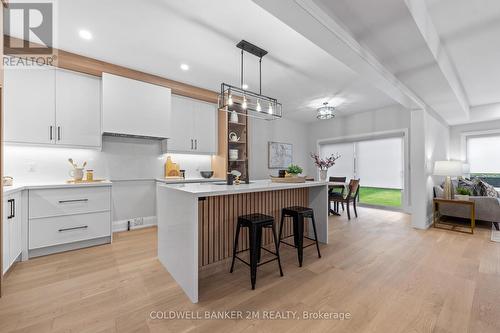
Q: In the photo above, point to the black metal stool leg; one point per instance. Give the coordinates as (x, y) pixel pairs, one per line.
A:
(235, 248)
(281, 228)
(300, 239)
(253, 253)
(315, 235)
(276, 246)
(259, 243)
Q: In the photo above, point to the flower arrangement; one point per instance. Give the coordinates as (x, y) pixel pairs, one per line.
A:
(326, 163)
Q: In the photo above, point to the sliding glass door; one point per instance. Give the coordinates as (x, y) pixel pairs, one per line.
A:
(378, 163)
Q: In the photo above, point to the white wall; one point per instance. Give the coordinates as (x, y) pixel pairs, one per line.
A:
(132, 165)
(282, 130)
(386, 119)
(429, 143)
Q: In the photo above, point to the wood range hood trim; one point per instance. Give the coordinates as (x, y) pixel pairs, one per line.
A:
(91, 66)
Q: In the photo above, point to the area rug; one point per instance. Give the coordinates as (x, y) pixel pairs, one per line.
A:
(495, 234)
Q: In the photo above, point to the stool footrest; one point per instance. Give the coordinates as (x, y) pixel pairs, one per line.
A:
(292, 245)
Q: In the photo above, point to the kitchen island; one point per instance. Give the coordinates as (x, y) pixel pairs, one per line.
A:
(197, 222)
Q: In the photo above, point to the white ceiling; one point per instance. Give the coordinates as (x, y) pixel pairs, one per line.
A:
(156, 36)
(363, 55)
(442, 54)
(470, 31)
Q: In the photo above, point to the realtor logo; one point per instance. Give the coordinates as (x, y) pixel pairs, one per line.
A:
(31, 22)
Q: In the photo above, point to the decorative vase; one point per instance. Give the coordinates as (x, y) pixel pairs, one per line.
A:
(323, 174)
(234, 117)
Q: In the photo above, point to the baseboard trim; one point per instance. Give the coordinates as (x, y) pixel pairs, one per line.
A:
(121, 225)
(68, 247)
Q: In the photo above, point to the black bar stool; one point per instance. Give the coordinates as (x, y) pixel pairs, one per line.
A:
(298, 214)
(255, 223)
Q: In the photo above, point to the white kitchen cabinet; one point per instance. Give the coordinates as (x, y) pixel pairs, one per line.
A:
(52, 107)
(12, 229)
(205, 128)
(194, 126)
(78, 109)
(135, 108)
(181, 134)
(61, 219)
(29, 95)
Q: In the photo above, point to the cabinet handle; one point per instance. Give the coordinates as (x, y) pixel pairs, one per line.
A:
(11, 215)
(58, 133)
(74, 200)
(13, 207)
(192, 144)
(74, 228)
(196, 144)
(50, 133)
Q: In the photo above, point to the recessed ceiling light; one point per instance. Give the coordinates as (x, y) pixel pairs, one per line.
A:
(244, 86)
(85, 34)
(185, 67)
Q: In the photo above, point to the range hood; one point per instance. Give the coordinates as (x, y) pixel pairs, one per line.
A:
(134, 136)
(135, 109)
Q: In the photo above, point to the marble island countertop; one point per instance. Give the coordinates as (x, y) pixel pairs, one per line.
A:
(188, 180)
(211, 189)
(20, 186)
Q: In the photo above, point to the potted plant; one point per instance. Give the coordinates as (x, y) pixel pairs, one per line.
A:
(293, 170)
(324, 164)
(462, 193)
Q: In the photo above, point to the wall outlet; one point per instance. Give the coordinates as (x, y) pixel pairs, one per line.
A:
(138, 221)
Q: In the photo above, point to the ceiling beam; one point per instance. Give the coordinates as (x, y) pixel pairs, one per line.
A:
(420, 14)
(310, 20)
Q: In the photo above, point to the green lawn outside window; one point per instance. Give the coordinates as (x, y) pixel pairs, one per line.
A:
(380, 196)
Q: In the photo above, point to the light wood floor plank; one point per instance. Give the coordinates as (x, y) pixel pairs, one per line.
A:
(387, 275)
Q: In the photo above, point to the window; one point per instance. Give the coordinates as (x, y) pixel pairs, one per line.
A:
(378, 163)
(484, 158)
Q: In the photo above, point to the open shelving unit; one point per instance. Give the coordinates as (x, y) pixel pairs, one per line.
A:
(221, 163)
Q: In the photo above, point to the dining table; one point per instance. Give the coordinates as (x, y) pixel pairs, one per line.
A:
(336, 185)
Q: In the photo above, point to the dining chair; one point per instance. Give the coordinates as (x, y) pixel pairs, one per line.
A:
(352, 196)
(336, 191)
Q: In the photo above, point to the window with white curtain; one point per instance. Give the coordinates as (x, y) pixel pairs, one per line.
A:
(483, 154)
(378, 163)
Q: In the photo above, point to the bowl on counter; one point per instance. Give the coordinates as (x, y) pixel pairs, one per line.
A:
(206, 174)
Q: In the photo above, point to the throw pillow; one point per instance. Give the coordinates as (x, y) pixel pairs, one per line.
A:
(471, 184)
(488, 190)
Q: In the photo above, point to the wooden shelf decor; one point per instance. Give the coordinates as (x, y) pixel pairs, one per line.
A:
(221, 164)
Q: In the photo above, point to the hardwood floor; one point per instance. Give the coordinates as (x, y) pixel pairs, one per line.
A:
(387, 275)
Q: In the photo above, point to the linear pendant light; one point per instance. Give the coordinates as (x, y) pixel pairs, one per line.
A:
(245, 102)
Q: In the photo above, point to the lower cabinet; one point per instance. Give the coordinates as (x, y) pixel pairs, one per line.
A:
(11, 230)
(66, 219)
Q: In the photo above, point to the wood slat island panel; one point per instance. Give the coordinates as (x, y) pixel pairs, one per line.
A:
(218, 216)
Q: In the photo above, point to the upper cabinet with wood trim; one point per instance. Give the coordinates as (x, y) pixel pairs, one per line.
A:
(29, 115)
(136, 108)
(78, 109)
(50, 106)
(194, 126)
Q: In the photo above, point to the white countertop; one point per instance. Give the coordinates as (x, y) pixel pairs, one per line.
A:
(208, 189)
(18, 186)
(189, 180)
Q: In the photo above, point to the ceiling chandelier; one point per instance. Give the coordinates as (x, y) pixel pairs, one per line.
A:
(245, 102)
(325, 112)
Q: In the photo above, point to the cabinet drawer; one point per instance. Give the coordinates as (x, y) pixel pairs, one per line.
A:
(67, 229)
(55, 202)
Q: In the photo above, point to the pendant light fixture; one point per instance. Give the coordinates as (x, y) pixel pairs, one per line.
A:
(325, 112)
(243, 101)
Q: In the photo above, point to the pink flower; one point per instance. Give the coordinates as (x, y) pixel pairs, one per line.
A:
(324, 164)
